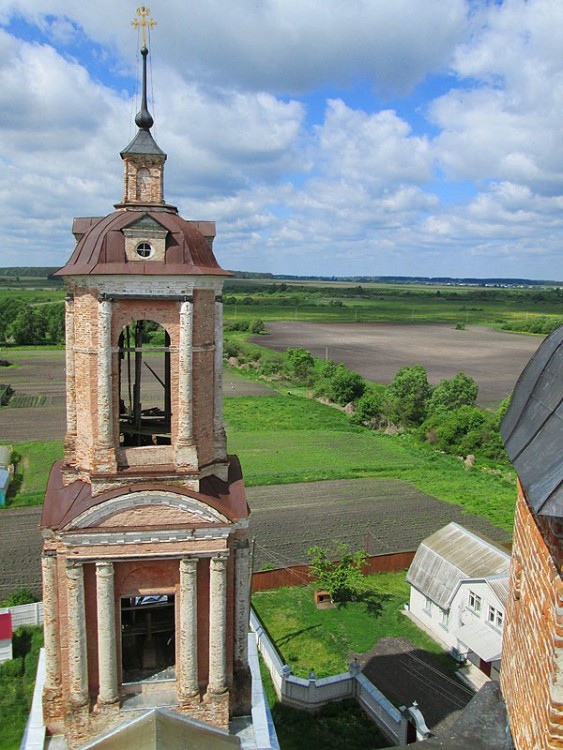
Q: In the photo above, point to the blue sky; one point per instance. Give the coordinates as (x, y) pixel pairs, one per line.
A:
(324, 137)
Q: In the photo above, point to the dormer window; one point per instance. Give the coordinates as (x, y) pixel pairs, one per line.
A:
(144, 250)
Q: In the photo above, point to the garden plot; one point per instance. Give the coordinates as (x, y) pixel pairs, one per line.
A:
(21, 544)
(39, 384)
(378, 515)
(494, 359)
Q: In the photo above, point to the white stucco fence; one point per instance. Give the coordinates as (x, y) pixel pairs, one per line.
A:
(311, 694)
(25, 614)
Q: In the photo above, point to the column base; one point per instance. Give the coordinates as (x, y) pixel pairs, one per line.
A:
(105, 460)
(186, 455)
(213, 709)
(53, 710)
(241, 703)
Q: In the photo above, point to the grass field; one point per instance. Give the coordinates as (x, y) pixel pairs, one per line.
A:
(34, 461)
(17, 679)
(306, 447)
(399, 309)
(326, 640)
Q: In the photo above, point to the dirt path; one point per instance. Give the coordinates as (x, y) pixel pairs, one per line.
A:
(377, 350)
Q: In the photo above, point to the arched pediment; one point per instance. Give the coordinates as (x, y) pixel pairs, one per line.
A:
(148, 508)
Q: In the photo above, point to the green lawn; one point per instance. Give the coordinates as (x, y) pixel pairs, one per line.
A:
(17, 680)
(325, 640)
(287, 439)
(32, 471)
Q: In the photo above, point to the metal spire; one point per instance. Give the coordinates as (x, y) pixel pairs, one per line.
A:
(143, 118)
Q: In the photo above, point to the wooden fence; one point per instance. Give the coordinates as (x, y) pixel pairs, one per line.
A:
(297, 575)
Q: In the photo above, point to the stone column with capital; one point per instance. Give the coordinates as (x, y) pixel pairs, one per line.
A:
(51, 623)
(188, 683)
(105, 415)
(220, 438)
(107, 651)
(186, 452)
(242, 601)
(70, 438)
(217, 625)
(76, 634)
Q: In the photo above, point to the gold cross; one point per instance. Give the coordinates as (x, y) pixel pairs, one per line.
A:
(144, 22)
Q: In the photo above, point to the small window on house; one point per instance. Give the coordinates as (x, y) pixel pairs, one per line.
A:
(445, 618)
(144, 250)
(495, 617)
(474, 601)
(427, 605)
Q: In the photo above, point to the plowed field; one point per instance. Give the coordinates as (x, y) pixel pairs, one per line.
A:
(376, 514)
(377, 350)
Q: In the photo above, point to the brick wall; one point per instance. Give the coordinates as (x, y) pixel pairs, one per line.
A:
(532, 657)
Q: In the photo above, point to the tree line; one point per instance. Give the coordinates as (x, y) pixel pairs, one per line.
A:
(31, 325)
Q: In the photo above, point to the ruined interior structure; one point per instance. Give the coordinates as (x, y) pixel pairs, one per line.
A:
(146, 568)
(532, 655)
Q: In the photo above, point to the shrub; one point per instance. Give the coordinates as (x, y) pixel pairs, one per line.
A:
(300, 362)
(257, 326)
(460, 390)
(345, 386)
(407, 396)
(239, 325)
(231, 349)
(369, 406)
(342, 578)
(20, 596)
(328, 368)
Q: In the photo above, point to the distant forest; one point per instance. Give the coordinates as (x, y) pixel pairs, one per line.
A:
(21, 273)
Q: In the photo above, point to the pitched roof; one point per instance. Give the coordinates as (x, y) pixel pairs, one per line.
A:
(451, 555)
(533, 427)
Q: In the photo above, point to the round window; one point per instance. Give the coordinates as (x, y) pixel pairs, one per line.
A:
(144, 250)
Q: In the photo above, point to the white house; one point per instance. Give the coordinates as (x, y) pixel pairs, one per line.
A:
(459, 586)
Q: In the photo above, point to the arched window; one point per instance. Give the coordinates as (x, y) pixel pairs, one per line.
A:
(144, 385)
(143, 184)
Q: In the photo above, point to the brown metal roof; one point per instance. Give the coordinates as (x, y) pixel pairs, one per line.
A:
(533, 427)
(64, 503)
(101, 249)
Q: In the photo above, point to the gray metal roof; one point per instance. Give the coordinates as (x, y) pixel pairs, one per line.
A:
(143, 143)
(163, 729)
(533, 427)
(5, 456)
(451, 555)
(499, 585)
(4, 479)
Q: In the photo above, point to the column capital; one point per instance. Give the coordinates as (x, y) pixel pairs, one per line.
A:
(73, 567)
(189, 565)
(219, 563)
(104, 568)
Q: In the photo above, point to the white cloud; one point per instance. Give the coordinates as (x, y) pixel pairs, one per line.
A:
(281, 45)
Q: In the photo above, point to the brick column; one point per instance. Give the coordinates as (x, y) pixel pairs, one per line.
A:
(242, 601)
(186, 452)
(76, 633)
(217, 625)
(107, 652)
(51, 623)
(220, 438)
(70, 438)
(105, 416)
(188, 683)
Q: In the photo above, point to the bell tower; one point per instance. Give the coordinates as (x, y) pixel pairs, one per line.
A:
(146, 566)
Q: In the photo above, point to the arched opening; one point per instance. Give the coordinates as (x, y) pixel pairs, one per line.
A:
(144, 385)
(143, 184)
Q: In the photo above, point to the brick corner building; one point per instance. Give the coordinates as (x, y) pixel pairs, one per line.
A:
(532, 656)
(146, 565)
